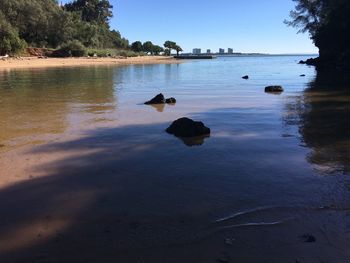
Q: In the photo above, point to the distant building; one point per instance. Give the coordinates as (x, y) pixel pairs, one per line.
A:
(197, 51)
(221, 51)
(230, 51)
(208, 51)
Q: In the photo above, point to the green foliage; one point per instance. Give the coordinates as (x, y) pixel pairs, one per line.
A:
(148, 47)
(167, 52)
(328, 23)
(157, 49)
(136, 46)
(178, 49)
(112, 53)
(10, 43)
(43, 23)
(71, 49)
(172, 45)
(98, 11)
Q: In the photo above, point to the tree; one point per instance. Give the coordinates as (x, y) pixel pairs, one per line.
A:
(10, 43)
(136, 46)
(167, 52)
(99, 11)
(328, 23)
(148, 47)
(157, 49)
(178, 49)
(170, 45)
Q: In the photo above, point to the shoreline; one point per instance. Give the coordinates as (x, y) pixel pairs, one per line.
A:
(35, 62)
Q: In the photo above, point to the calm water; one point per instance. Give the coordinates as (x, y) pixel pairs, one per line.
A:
(278, 159)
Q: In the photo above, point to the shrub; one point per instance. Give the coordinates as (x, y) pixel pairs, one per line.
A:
(10, 42)
(71, 49)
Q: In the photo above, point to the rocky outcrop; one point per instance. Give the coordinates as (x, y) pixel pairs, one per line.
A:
(170, 100)
(185, 127)
(245, 77)
(159, 99)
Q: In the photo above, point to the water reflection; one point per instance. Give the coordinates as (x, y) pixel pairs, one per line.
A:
(44, 101)
(194, 141)
(322, 114)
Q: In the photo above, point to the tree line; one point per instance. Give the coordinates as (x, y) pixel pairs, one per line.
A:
(328, 23)
(69, 28)
(149, 47)
(44, 23)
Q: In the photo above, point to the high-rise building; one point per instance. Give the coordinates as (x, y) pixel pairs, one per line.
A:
(197, 51)
(230, 50)
(221, 51)
(208, 51)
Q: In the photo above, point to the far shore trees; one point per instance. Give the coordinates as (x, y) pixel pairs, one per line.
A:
(136, 46)
(171, 45)
(177, 49)
(148, 47)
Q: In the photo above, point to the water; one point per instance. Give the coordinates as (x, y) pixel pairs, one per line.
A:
(82, 154)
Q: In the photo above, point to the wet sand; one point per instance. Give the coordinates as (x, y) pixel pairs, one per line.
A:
(34, 62)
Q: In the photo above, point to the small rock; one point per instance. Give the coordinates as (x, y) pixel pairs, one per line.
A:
(159, 99)
(308, 238)
(245, 77)
(170, 100)
(185, 127)
(302, 75)
(274, 89)
(302, 62)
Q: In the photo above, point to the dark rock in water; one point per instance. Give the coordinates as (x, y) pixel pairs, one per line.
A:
(308, 238)
(302, 75)
(274, 89)
(185, 127)
(159, 99)
(170, 100)
(245, 77)
(302, 62)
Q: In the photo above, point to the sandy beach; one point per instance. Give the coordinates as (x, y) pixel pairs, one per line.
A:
(35, 62)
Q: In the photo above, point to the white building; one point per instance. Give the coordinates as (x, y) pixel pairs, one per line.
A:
(196, 51)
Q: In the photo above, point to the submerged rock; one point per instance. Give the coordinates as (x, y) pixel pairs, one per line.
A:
(185, 127)
(159, 99)
(302, 75)
(170, 100)
(274, 89)
(245, 77)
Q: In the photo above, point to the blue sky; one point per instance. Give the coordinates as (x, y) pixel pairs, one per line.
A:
(244, 25)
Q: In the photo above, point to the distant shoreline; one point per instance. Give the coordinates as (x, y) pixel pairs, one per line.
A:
(35, 62)
(248, 55)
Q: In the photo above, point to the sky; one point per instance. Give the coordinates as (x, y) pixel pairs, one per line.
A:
(244, 25)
